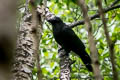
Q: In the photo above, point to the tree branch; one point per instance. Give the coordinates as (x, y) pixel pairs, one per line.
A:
(93, 50)
(109, 41)
(115, 2)
(81, 22)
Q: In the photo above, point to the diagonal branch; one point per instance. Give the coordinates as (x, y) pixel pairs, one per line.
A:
(115, 2)
(81, 22)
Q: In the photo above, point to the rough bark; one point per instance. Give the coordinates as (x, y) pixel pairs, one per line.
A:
(65, 65)
(27, 48)
(94, 54)
(25, 53)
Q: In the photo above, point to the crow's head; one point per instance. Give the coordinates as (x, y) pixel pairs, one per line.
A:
(54, 20)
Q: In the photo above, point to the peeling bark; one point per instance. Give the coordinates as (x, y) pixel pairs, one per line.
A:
(65, 66)
(25, 53)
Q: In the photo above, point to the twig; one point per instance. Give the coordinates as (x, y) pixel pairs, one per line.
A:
(97, 29)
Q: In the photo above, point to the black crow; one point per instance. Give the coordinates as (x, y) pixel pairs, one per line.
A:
(69, 41)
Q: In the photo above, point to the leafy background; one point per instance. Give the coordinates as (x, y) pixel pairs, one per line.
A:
(70, 12)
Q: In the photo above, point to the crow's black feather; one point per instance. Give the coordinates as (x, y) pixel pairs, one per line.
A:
(69, 41)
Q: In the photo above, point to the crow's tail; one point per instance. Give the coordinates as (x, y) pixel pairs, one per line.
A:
(86, 59)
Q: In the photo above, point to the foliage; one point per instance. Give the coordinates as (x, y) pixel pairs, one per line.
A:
(70, 12)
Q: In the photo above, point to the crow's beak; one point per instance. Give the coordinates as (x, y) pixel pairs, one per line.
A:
(50, 17)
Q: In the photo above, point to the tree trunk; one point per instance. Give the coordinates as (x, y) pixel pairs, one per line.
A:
(27, 48)
(65, 66)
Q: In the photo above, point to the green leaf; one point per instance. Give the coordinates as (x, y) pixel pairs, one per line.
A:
(51, 64)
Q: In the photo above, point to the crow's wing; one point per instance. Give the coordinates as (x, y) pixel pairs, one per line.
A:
(72, 39)
(77, 46)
